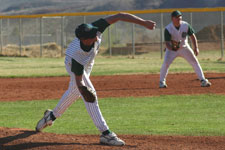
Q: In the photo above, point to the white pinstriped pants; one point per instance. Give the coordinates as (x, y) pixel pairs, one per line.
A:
(72, 94)
(188, 54)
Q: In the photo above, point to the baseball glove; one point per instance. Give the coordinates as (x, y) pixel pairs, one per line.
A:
(175, 45)
(88, 94)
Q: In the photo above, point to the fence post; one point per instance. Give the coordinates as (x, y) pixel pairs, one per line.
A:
(84, 19)
(62, 35)
(109, 42)
(191, 23)
(1, 35)
(133, 40)
(20, 35)
(7, 31)
(161, 35)
(222, 36)
(41, 34)
(115, 25)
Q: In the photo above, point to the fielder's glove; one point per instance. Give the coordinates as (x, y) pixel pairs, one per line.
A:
(88, 94)
(175, 45)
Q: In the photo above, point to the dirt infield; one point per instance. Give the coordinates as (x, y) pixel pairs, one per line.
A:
(106, 86)
(109, 86)
(21, 139)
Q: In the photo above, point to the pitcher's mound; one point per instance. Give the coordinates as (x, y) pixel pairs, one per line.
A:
(21, 139)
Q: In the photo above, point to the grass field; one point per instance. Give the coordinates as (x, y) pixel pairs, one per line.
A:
(149, 63)
(163, 115)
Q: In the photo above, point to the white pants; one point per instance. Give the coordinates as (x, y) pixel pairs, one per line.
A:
(72, 94)
(188, 54)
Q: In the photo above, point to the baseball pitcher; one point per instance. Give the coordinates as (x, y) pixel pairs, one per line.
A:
(79, 61)
(176, 39)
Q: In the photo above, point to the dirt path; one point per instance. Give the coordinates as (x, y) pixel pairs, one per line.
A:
(106, 86)
(109, 86)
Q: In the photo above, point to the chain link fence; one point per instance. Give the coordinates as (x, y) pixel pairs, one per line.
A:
(50, 36)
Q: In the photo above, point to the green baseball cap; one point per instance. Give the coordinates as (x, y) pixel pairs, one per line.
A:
(86, 31)
(176, 13)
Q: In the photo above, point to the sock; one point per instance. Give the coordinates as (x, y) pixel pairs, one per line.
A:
(52, 116)
(106, 132)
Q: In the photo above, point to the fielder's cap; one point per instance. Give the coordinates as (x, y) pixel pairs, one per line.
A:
(176, 13)
(86, 31)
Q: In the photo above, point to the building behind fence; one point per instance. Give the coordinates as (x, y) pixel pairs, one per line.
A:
(48, 35)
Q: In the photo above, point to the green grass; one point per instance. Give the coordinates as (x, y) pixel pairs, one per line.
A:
(148, 63)
(163, 115)
(31, 67)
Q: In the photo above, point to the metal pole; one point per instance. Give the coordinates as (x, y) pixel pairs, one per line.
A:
(7, 29)
(1, 35)
(41, 38)
(222, 36)
(62, 35)
(115, 25)
(161, 35)
(133, 40)
(191, 23)
(109, 42)
(20, 35)
(191, 18)
(84, 19)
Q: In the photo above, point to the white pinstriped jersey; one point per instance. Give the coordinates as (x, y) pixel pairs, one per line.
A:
(84, 58)
(72, 94)
(74, 51)
(179, 35)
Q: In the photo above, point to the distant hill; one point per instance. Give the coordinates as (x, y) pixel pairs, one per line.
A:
(210, 33)
(192, 3)
(15, 7)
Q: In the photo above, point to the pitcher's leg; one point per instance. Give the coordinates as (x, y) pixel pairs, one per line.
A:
(96, 115)
(68, 98)
(94, 110)
(71, 95)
